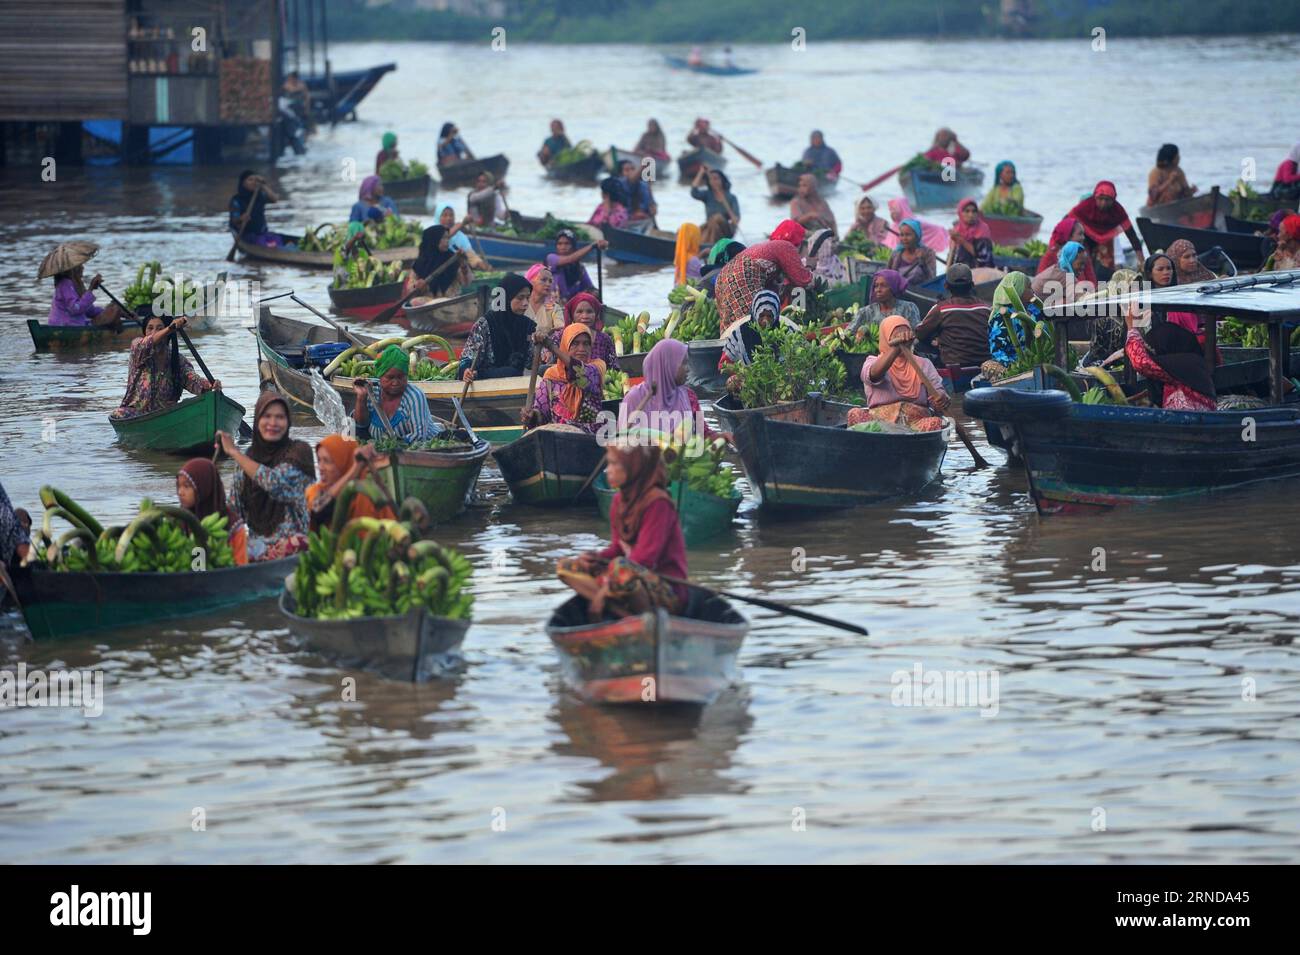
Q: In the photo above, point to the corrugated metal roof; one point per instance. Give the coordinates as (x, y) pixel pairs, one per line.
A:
(63, 61)
(1265, 297)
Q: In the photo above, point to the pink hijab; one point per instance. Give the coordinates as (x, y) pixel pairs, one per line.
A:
(933, 236)
(368, 188)
(971, 233)
(660, 370)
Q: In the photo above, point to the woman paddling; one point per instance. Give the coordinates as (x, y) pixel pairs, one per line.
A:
(1167, 182)
(372, 205)
(1005, 197)
(946, 147)
(895, 391)
(912, 259)
(268, 497)
(337, 465)
(972, 237)
(721, 207)
(645, 541)
(773, 265)
(500, 345)
(554, 144)
(157, 375)
(247, 218)
(886, 286)
(586, 310)
(565, 263)
(571, 390)
(74, 298)
(435, 251)
(486, 203)
(389, 405)
(457, 239)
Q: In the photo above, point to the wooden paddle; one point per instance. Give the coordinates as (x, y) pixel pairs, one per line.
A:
(532, 380)
(933, 392)
(341, 329)
(601, 465)
(771, 605)
(388, 314)
(750, 156)
(460, 413)
(600, 275)
(234, 246)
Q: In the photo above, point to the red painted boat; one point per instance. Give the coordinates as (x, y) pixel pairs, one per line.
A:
(1012, 230)
(1198, 212)
(365, 304)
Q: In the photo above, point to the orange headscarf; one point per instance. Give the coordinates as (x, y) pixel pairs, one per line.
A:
(571, 394)
(688, 245)
(905, 379)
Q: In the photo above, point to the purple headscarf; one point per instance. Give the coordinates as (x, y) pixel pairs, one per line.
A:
(660, 370)
(897, 284)
(367, 187)
(1275, 220)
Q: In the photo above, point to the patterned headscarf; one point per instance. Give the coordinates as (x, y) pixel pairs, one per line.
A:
(1177, 249)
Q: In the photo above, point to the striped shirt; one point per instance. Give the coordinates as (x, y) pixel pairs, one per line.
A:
(411, 422)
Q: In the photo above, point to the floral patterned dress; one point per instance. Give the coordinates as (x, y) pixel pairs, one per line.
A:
(288, 485)
(149, 388)
(547, 400)
(602, 348)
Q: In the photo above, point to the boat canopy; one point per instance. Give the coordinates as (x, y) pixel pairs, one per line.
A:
(1271, 297)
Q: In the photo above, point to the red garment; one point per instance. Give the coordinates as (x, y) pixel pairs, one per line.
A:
(1177, 396)
(696, 416)
(939, 154)
(382, 157)
(659, 545)
(1287, 173)
(1101, 226)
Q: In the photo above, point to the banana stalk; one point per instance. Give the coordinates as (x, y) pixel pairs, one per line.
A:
(1108, 382)
(53, 497)
(339, 359)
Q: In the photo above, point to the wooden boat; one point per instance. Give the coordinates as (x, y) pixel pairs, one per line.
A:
(1084, 458)
(440, 480)
(491, 404)
(706, 69)
(799, 454)
(1012, 230)
(315, 260)
(689, 162)
(702, 367)
(61, 604)
(849, 294)
(366, 303)
(1243, 226)
(78, 337)
(1247, 252)
(1258, 207)
(652, 658)
(587, 171)
(703, 516)
(547, 465)
(460, 174)
(190, 425)
(452, 318)
(631, 363)
(640, 246)
(413, 193)
(1196, 212)
(926, 189)
(783, 181)
(335, 96)
(413, 646)
(613, 156)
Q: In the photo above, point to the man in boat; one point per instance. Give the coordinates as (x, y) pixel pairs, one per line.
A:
(702, 137)
(959, 324)
(554, 144)
(389, 404)
(637, 197)
(820, 158)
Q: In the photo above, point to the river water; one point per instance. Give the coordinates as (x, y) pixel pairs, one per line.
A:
(1146, 712)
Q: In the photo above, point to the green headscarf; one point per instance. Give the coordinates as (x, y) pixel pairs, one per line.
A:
(355, 227)
(724, 250)
(390, 140)
(392, 357)
(1010, 293)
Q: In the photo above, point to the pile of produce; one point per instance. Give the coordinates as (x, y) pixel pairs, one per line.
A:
(161, 539)
(804, 366)
(140, 292)
(681, 293)
(1233, 331)
(372, 567)
(363, 270)
(865, 341)
(1029, 249)
(871, 427)
(551, 227)
(616, 384)
(817, 311)
(395, 170)
(699, 318)
(919, 163)
(575, 153)
(1244, 189)
(857, 243)
(391, 442)
(632, 336)
(356, 362)
(390, 233)
(698, 462)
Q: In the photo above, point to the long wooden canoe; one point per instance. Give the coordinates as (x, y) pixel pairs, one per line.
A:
(60, 604)
(703, 516)
(783, 181)
(78, 337)
(460, 174)
(1012, 230)
(706, 69)
(189, 425)
(654, 658)
(1246, 251)
(1196, 212)
(641, 246)
(452, 318)
(548, 465)
(1258, 207)
(413, 193)
(799, 454)
(440, 480)
(926, 189)
(365, 304)
(315, 260)
(585, 171)
(688, 163)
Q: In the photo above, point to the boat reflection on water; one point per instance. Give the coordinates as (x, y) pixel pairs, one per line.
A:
(656, 752)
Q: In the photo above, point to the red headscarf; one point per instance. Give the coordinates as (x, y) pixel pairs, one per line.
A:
(1102, 225)
(571, 308)
(1290, 228)
(790, 231)
(980, 230)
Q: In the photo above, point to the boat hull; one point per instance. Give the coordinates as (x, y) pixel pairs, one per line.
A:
(929, 190)
(1012, 230)
(461, 174)
(547, 467)
(587, 171)
(411, 194)
(77, 337)
(1246, 251)
(783, 182)
(702, 516)
(315, 260)
(702, 367)
(440, 480)
(797, 455)
(1198, 212)
(190, 425)
(59, 604)
(688, 163)
(492, 404)
(653, 247)
(366, 303)
(452, 318)
(706, 69)
(613, 156)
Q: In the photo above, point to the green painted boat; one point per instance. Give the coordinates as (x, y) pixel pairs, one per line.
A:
(702, 516)
(843, 296)
(76, 337)
(440, 480)
(62, 604)
(190, 425)
(548, 465)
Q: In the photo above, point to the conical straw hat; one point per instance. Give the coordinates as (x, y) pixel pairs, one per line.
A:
(67, 256)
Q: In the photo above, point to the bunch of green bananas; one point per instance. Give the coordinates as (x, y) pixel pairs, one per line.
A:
(698, 462)
(700, 320)
(616, 384)
(429, 370)
(681, 293)
(633, 336)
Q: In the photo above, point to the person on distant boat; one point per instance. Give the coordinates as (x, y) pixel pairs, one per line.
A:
(652, 141)
(1068, 229)
(933, 236)
(157, 376)
(268, 497)
(74, 301)
(886, 286)
(959, 324)
(824, 258)
(544, 305)
(819, 157)
(773, 265)
(867, 225)
(565, 263)
(611, 211)
(1286, 180)
(554, 144)
(972, 237)
(486, 203)
(388, 404)
(435, 251)
(388, 153)
(913, 260)
(695, 57)
(686, 253)
(586, 310)
(662, 396)
(721, 207)
(372, 205)
(500, 345)
(571, 390)
(337, 465)
(808, 208)
(451, 148)
(1103, 218)
(947, 147)
(1167, 182)
(646, 541)
(1062, 282)
(247, 217)
(1172, 356)
(895, 391)
(458, 240)
(640, 201)
(1006, 197)
(727, 59)
(702, 137)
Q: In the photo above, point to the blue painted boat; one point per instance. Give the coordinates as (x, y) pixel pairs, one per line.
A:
(510, 250)
(648, 246)
(925, 189)
(681, 63)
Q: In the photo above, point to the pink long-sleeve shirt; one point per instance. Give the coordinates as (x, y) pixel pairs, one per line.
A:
(69, 308)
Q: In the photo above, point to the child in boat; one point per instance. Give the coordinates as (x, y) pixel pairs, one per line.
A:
(645, 542)
(200, 491)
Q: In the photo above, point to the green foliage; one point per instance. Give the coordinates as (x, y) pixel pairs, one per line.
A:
(391, 442)
(575, 153)
(787, 366)
(699, 462)
(140, 292)
(872, 427)
(857, 243)
(363, 270)
(396, 170)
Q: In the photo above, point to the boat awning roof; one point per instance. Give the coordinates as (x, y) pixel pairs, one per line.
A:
(1265, 297)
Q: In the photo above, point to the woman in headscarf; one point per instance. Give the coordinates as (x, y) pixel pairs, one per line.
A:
(544, 305)
(1172, 356)
(1012, 299)
(774, 265)
(947, 146)
(74, 298)
(337, 465)
(388, 153)
(652, 141)
(895, 392)
(823, 256)
(886, 286)
(157, 374)
(554, 144)
(912, 260)
(610, 212)
(1068, 229)
(566, 265)
(1103, 218)
(867, 228)
(972, 236)
(268, 497)
(435, 252)
(1108, 332)
(501, 343)
(1006, 197)
(388, 404)
(686, 251)
(819, 157)
(1287, 253)
(808, 208)
(722, 252)
(451, 148)
(721, 207)
(662, 401)
(1167, 182)
(457, 239)
(586, 310)
(933, 236)
(1187, 266)
(485, 203)
(645, 541)
(247, 218)
(372, 204)
(571, 390)
(741, 340)
(199, 488)
(1286, 180)
(1061, 283)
